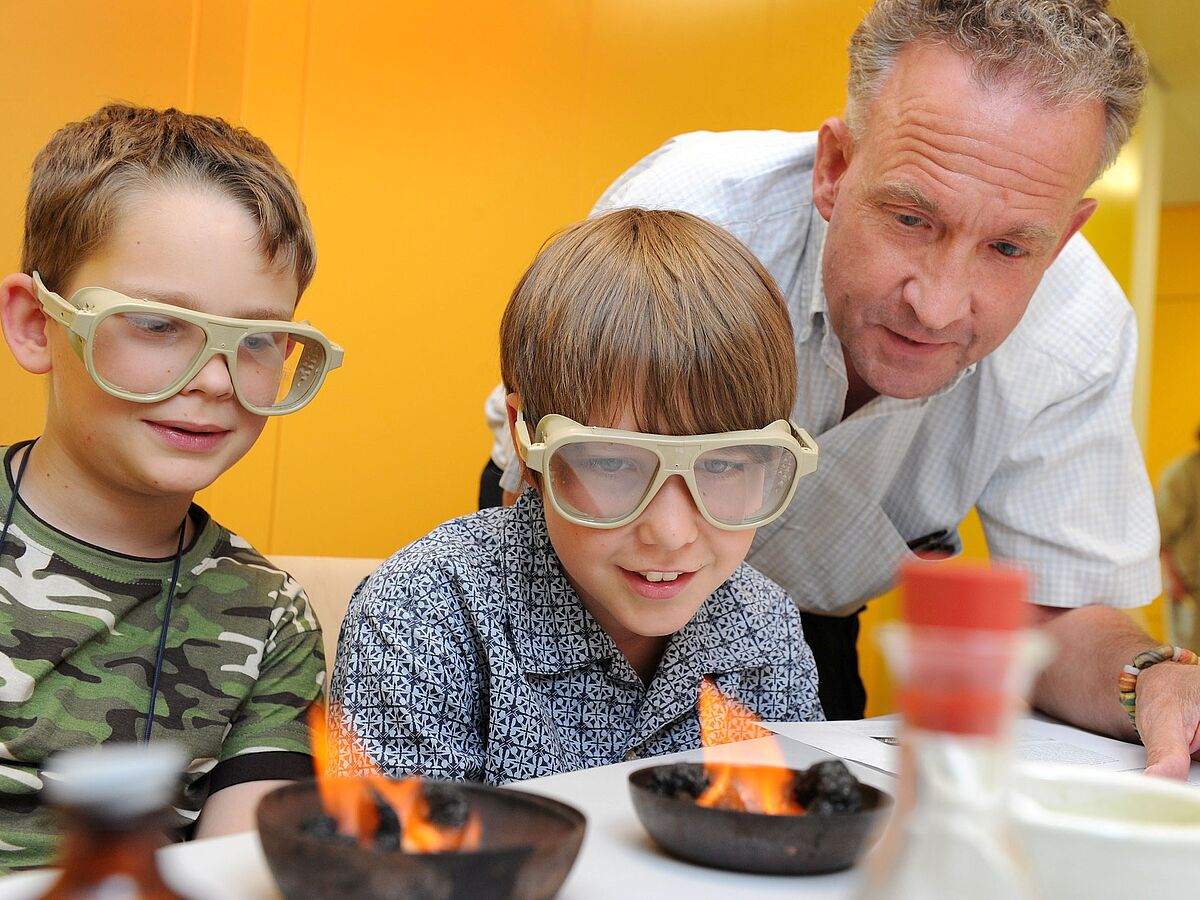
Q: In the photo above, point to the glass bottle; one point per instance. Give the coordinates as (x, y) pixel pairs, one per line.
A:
(113, 801)
(963, 660)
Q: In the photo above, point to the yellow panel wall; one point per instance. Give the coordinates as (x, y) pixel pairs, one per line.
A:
(437, 145)
(1175, 371)
(64, 59)
(478, 128)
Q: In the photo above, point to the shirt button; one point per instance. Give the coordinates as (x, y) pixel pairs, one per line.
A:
(630, 755)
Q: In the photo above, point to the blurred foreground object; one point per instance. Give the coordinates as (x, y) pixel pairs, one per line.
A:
(113, 801)
(1107, 835)
(963, 658)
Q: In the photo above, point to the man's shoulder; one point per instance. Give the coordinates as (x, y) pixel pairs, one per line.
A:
(726, 177)
(1078, 319)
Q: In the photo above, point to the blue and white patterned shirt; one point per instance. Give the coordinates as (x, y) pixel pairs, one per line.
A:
(468, 655)
(1037, 436)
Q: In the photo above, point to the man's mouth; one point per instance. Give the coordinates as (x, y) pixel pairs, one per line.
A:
(925, 344)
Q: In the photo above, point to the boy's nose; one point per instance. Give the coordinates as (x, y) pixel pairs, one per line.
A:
(671, 519)
(213, 378)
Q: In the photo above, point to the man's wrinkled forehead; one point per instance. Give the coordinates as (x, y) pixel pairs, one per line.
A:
(933, 112)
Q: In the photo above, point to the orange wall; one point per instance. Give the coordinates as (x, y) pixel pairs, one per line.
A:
(437, 146)
(1175, 366)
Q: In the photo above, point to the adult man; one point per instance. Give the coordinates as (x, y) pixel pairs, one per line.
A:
(909, 239)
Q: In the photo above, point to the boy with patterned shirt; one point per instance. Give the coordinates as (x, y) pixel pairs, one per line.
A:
(164, 256)
(649, 361)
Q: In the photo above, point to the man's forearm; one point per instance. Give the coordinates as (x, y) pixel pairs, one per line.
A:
(1079, 685)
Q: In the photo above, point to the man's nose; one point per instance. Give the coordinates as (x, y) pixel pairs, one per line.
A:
(939, 294)
(670, 521)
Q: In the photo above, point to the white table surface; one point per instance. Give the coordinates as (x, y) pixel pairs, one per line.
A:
(617, 859)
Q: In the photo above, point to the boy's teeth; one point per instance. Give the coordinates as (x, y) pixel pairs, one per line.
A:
(660, 576)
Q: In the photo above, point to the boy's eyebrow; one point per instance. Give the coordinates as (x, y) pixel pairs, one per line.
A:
(904, 194)
(185, 300)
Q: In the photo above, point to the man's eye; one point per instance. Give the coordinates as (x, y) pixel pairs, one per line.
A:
(1012, 251)
(909, 220)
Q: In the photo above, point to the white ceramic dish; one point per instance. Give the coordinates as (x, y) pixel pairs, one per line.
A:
(1099, 834)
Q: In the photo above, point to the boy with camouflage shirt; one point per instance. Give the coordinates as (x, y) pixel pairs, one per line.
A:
(164, 255)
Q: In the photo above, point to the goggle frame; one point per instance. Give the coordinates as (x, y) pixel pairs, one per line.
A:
(677, 455)
(90, 306)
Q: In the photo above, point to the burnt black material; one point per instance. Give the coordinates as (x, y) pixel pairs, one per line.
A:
(448, 808)
(827, 788)
(680, 780)
(527, 848)
(387, 832)
(752, 842)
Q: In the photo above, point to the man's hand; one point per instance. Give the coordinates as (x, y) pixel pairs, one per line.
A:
(1080, 685)
(1168, 714)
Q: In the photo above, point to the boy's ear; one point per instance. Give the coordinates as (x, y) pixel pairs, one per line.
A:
(25, 325)
(513, 404)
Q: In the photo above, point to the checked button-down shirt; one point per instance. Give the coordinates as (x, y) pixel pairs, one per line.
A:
(468, 655)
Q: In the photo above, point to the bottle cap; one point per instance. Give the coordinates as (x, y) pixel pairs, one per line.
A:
(961, 594)
(115, 781)
(963, 620)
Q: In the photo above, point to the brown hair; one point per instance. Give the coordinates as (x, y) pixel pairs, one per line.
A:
(1067, 51)
(87, 169)
(656, 309)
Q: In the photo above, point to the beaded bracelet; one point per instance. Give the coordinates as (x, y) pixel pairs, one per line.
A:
(1127, 682)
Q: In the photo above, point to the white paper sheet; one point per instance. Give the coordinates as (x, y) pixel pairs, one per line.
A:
(873, 743)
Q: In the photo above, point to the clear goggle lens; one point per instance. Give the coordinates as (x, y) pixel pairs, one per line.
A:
(605, 482)
(147, 353)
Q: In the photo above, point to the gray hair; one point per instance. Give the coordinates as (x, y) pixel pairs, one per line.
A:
(1066, 51)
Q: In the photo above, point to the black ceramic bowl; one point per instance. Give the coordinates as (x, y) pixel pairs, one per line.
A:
(754, 842)
(528, 846)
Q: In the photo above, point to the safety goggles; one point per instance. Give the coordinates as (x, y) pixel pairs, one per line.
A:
(145, 351)
(606, 477)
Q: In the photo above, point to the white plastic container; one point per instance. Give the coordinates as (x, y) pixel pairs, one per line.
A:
(1107, 835)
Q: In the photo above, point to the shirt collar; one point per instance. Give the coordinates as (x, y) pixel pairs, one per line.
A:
(553, 633)
(810, 285)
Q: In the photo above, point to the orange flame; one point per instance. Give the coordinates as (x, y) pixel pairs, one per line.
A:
(351, 801)
(764, 788)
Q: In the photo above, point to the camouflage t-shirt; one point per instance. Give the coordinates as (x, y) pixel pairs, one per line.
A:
(79, 634)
